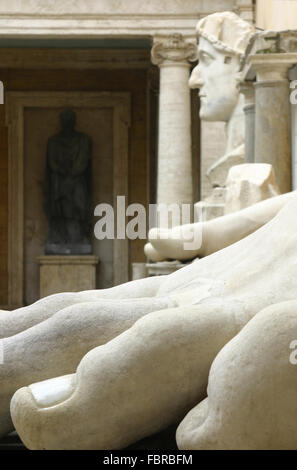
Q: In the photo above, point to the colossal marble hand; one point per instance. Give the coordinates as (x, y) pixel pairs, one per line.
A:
(252, 401)
(153, 373)
(185, 242)
(50, 337)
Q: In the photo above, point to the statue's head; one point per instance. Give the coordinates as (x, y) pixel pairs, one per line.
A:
(222, 40)
(68, 119)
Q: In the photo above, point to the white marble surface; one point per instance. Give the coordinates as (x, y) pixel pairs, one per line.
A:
(248, 184)
(251, 401)
(216, 76)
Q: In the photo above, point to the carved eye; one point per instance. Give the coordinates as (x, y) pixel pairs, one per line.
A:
(227, 59)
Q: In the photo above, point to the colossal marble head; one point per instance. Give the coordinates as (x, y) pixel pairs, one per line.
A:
(222, 40)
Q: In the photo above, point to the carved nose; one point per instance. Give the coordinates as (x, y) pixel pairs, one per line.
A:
(195, 80)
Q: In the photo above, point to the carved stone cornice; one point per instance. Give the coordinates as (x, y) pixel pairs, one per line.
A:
(173, 48)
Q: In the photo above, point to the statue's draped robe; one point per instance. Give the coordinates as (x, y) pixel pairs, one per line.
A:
(68, 188)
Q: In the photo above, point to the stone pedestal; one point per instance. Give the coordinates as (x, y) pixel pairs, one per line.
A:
(67, 273)
(174, 180)
(164, 267)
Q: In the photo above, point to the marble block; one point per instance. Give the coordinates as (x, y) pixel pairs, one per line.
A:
(248, 184)
(67, 273)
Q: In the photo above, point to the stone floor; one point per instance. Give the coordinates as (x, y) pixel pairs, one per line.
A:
(164, 440)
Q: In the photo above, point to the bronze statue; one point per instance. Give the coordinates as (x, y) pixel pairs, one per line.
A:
(68, 189)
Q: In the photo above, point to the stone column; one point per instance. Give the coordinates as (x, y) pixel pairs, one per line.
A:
(272, 124)
(247, 89)
(174, 175)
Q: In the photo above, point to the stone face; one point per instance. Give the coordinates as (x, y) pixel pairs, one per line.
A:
(127, 388)
(251, 401)
(223, 38)
(248, 184)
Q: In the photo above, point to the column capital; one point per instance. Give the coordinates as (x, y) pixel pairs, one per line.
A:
(173, 48)
(270, 67)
